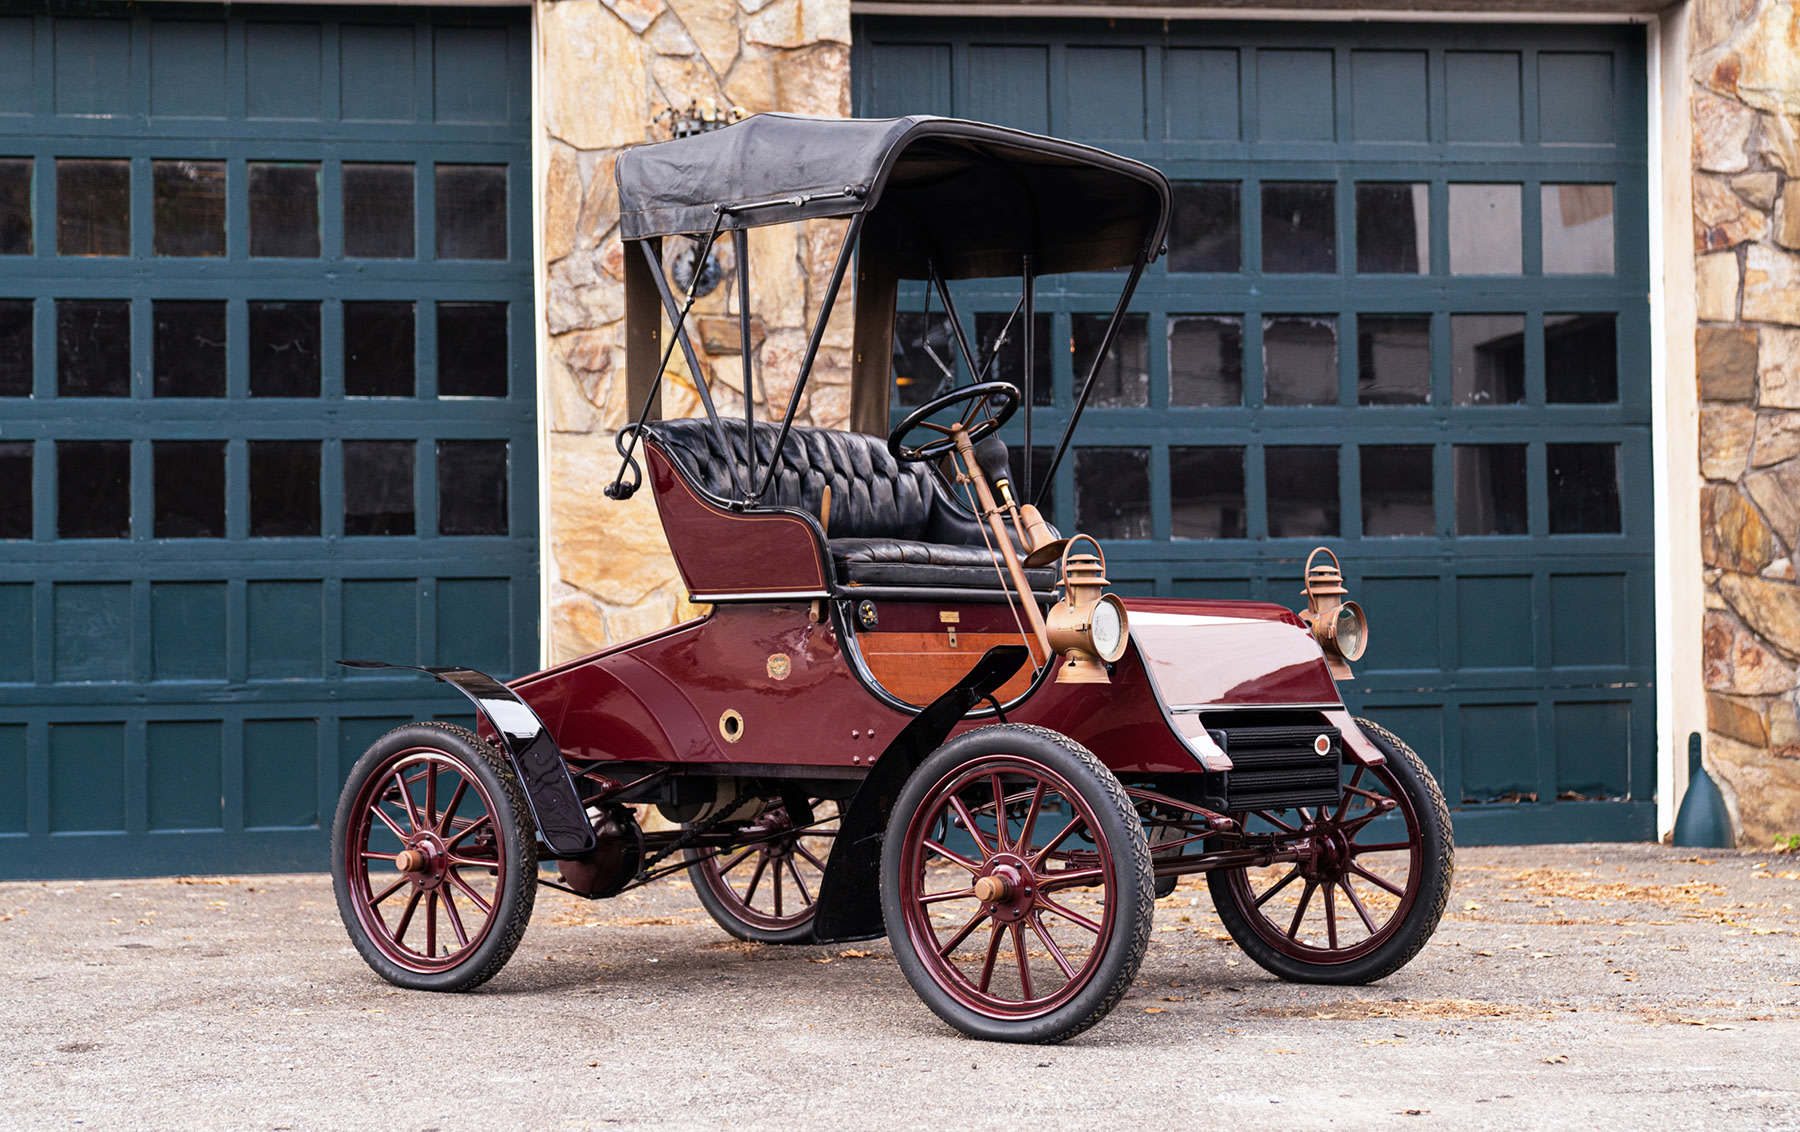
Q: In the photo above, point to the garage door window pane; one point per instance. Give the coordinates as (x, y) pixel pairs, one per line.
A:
(1396, 491)
(1009, 363)
(378, 487)
(471, 212)
(189, 209)
(378, 211)
(1302, 486)
(284, 210)
(1205, 230)
(93, 207)
(1206, 492)
(1581, 359)
(1299, 227)
(15, 489)
(284, 488)
(1393, 359)
(1123, 380)
(15, 347)
(471, 349)
(284, 349)
(378, 349)
(924, 357)
(471, 481)
(93, 348)
(1486, 222)
(15, 206)
(1112, 492)
(190, 348)
(1584, 488)
(1300, 360)
(93, 489)
(1578, 229)
(1206, 360)
(1487, 359)
(1040, 462)
(1490, 489)
(190, 488)
(1393, 229)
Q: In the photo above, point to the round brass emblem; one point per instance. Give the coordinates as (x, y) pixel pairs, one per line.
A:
(780, 667)
(731, 726)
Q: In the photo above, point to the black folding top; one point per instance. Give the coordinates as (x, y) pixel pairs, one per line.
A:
(971, 197)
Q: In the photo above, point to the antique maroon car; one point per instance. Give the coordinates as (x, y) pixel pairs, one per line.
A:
(913, 706)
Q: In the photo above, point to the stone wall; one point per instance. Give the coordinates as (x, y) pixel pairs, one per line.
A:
(609, 69)
(1746, 112)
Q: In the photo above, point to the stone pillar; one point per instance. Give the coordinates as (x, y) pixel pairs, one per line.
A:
(1746, 111)
(607, 70)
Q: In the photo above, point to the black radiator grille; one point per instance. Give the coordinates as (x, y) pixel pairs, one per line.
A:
(1274, 768)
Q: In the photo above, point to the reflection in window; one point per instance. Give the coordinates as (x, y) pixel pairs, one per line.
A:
(284, 209)
(1486, 222)
(1490, 489)
(1584, 488)
(1393, 359)
(378, 211)
(284, 349)
(1581, 359)
(1206, 360)
(1123, 379)
(378, 487)
(1009, 363)
(284, 489)
(1112, 492)
(15, 347)
(1299, 227)
(1396, 491)
(189, 351)
(1302, 488)
(15, 489)
(1040, 463)
(1300, 360)
(471, 349)
(93, 489)
(188, 212)
(1206, 493)
(378, 349)
(1578, 229)
(93, 348)
(1393, 229)
(1205, 233)
(93, 207)
(471, 212)
(15, 206)
(1487, 359)
(471, 481)
(190, 488)
(924, 357)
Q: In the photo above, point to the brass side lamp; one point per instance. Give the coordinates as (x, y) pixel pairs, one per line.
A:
(1088, 626)
(1340, 626)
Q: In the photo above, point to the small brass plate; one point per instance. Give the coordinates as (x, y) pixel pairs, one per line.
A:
(731, 726)
(780, 667)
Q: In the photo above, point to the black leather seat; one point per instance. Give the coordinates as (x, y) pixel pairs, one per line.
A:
(892, 524)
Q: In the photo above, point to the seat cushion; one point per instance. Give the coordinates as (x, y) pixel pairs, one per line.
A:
(904, 562)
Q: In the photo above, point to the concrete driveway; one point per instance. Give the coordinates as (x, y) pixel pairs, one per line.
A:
(1584, 986)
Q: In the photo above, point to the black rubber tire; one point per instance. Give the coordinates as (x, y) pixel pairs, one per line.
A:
(1438, 867)
(517, 891)
(1136, 902)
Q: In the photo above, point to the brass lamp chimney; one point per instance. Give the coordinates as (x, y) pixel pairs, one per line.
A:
(1340, 626)
(1087, 626)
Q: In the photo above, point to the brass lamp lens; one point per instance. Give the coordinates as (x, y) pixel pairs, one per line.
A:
(1350, 630)
(1108, 628)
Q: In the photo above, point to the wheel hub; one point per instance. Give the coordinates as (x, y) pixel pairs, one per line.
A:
(424, 859)
(1007, 888)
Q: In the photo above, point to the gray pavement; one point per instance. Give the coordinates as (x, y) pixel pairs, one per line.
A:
(1582, 986)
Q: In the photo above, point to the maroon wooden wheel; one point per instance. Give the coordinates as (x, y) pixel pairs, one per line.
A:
(433, 864)
(764, 888)
(1021, 885)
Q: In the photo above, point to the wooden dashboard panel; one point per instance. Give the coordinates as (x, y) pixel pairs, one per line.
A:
(920, 667)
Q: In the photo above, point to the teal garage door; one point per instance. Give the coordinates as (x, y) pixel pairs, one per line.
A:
(1403, 313)
(266, 400)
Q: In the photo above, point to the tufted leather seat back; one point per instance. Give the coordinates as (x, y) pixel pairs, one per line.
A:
(872, 494)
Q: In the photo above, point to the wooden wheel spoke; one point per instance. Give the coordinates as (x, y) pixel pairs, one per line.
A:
(456, 797)
(388, 891)
(1331, 916)
(1356, 903)
(431, 792)
(456, 879)
(431, 924)
(794, 870)
(1389, 847)
(755, 879)
(412, 905)
(484, 819)
(1275, 821)
(808, 854)
(962, 933)
(461, 862)
(1031, 816)
(412, 813)
(735, 861)
(777, 884)
(993, 952)
(999, 812)
(389, 822)
(1278, 886)
(1053, 882)
(940, 897)
(962, 811)
(1300, 912)
(1375, 880)
(1018, 938)
(1068, 914)
(456, 924)
(1056, 953)
(957, 858)
(1075, 822)
(369, 855)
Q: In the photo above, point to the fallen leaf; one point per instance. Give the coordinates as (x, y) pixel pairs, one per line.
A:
(1471, 906)
(855, 954)
(1559, 1059)
(1542, 955)
(1154, 1010)
(827, 959)
(1173, 998)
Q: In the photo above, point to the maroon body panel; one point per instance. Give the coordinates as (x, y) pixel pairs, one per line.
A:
(720, 553)
(1229, 652)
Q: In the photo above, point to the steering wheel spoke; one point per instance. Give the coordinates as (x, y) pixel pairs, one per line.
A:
(989, 405)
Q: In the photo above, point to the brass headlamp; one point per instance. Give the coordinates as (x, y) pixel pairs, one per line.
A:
(1088, 626)
(1340, 626)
